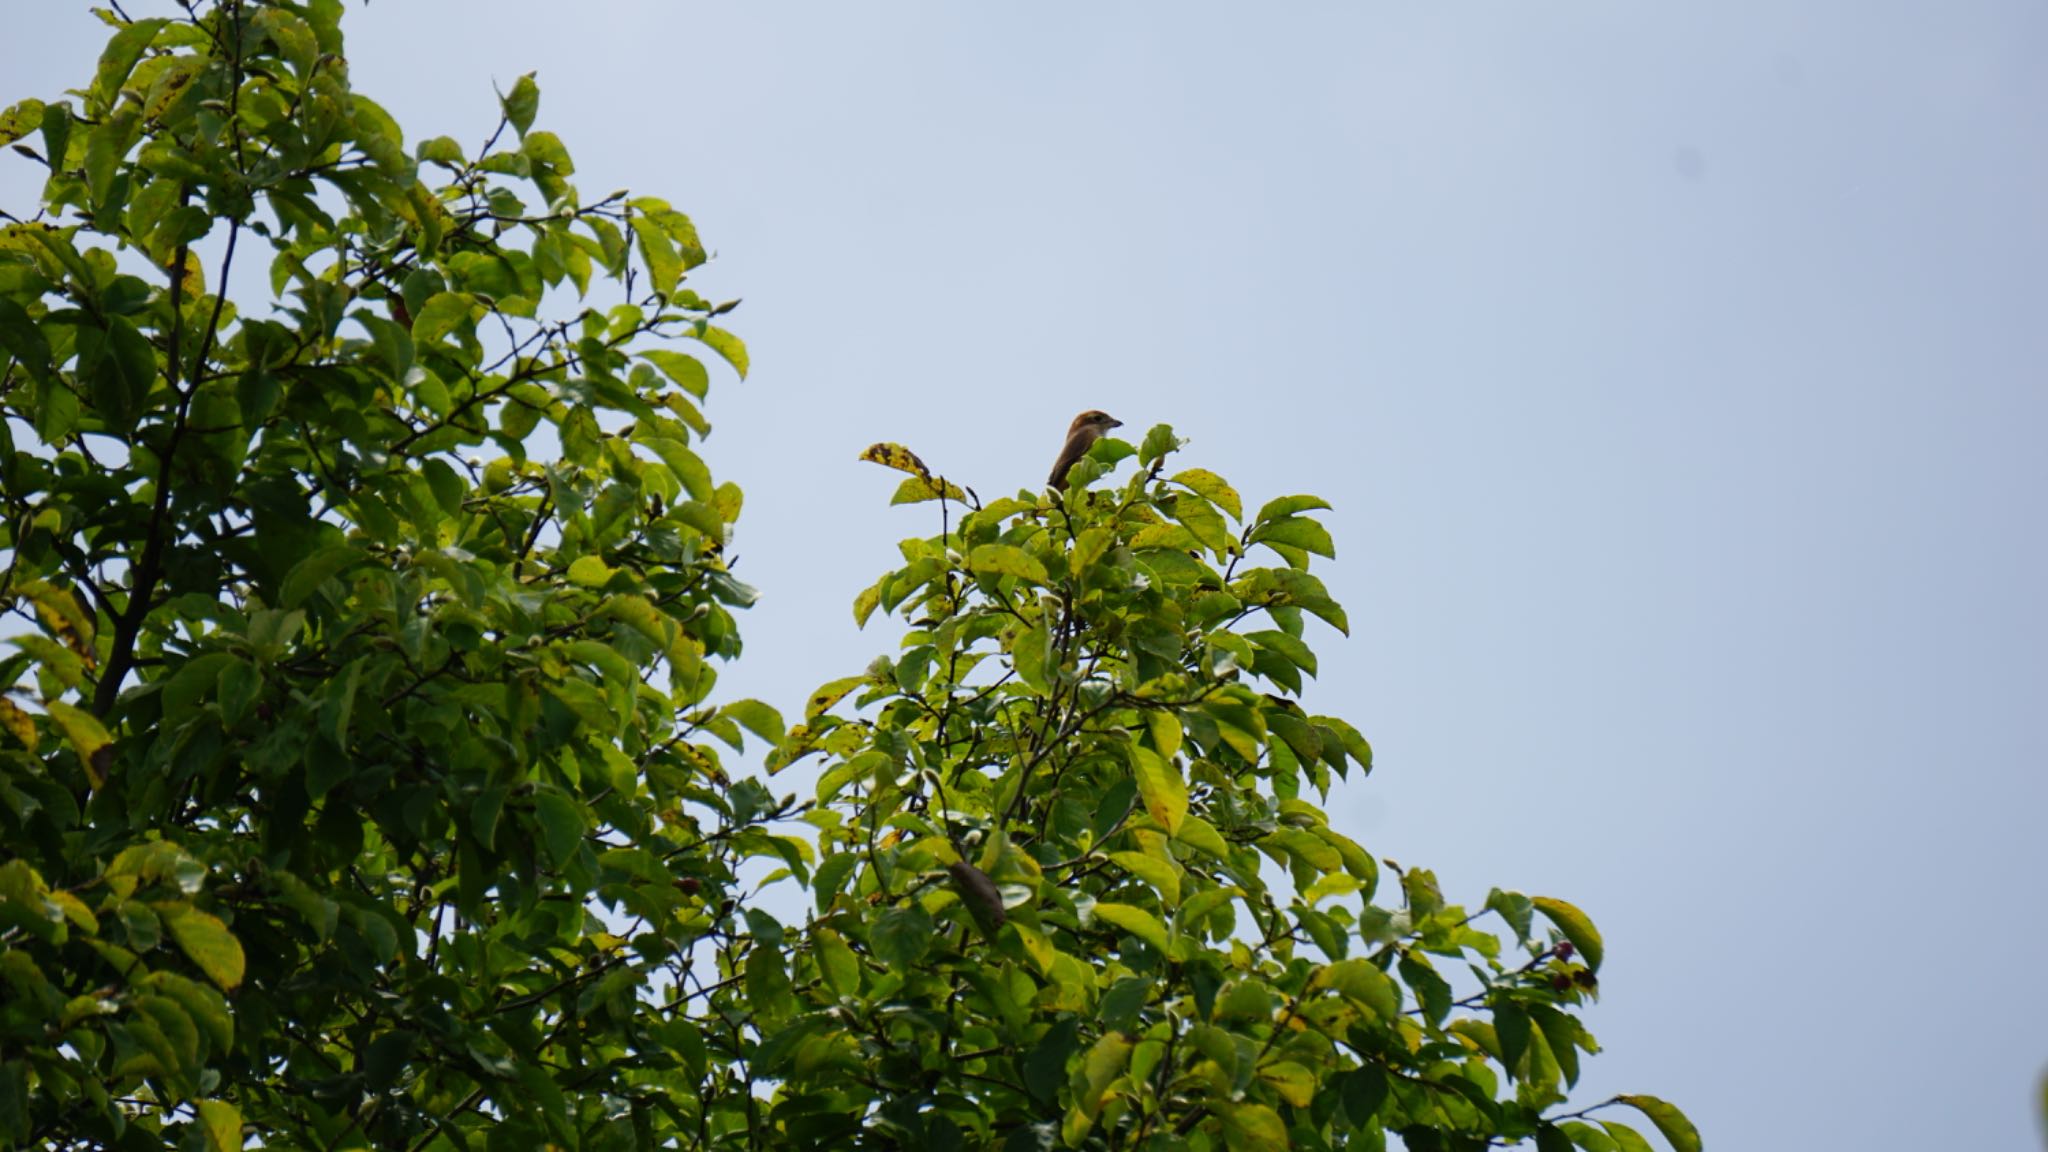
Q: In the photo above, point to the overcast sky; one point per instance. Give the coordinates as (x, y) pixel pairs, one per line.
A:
(1678, 378)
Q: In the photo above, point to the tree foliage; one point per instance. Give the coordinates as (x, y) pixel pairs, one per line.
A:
(363, 781)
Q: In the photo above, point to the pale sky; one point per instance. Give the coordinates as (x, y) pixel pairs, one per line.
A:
(1676, 373)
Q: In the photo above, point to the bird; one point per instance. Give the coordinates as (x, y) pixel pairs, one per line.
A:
(1086, 429)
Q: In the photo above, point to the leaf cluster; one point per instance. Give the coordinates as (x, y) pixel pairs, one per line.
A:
(364, 780)
(1076, 885)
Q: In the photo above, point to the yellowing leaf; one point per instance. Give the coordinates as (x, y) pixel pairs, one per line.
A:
(18, 722)
(829, 694)
(75, 911)
(1201, 518)
(62, 614)
(1576, 926)
(1105, 1061)
(1294, 1083)
(1136, 921)
(590, 572)
(864, 605)
(1252, 1128)
(918, 490)
(1668, 1119)
(895, 456)
(1166, 732)
(85, 735)
(1036, 946)
(1006, 560)
(1160, 784)
(1212, 488)
(207, 941)
(222, 1123)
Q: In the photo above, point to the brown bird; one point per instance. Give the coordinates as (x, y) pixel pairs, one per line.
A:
(1086, 429)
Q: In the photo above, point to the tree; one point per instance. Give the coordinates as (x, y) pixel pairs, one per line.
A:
(363, 784)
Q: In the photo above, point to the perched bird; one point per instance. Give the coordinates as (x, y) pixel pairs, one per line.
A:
(1086, 429)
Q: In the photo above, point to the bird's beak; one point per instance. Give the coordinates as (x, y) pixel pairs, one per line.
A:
(1115, 423)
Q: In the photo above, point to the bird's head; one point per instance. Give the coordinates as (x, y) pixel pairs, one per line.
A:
(1094, 420)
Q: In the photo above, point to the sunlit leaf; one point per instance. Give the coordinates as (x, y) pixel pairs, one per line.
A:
(1576, 926)
(1160, 784)
(207, 942)
(1136, 921)
(1668, 1119)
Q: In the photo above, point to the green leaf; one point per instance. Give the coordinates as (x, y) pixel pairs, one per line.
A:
(1668, 1119)
(443, 150)
(1136, 921)
(1626, 1139)
(687, 371)
(837, 963)
(1295, 532)
(441, 314)
(1576, 926)
(338, 703)
(1586, 1136)
(522, 103)
(590, 572)
(122, 369)
(1030, 653)
(727, 345)
(1006, 560)
(118, 60)
(1160, 785)
(1152, 870)
(308, 574)
(1199, 833)
(1287, 506)
(1361, 982)
(207, 942)
(1362, 1090)
(758, 718)
(561, 824)
(664, 265)
(1159, 440)
(22, 339)
(587, 702)
(1045, 1068)
(901, 936)
(1432, 991)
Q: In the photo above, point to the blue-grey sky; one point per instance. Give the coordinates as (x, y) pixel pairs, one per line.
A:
(1677, 374)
